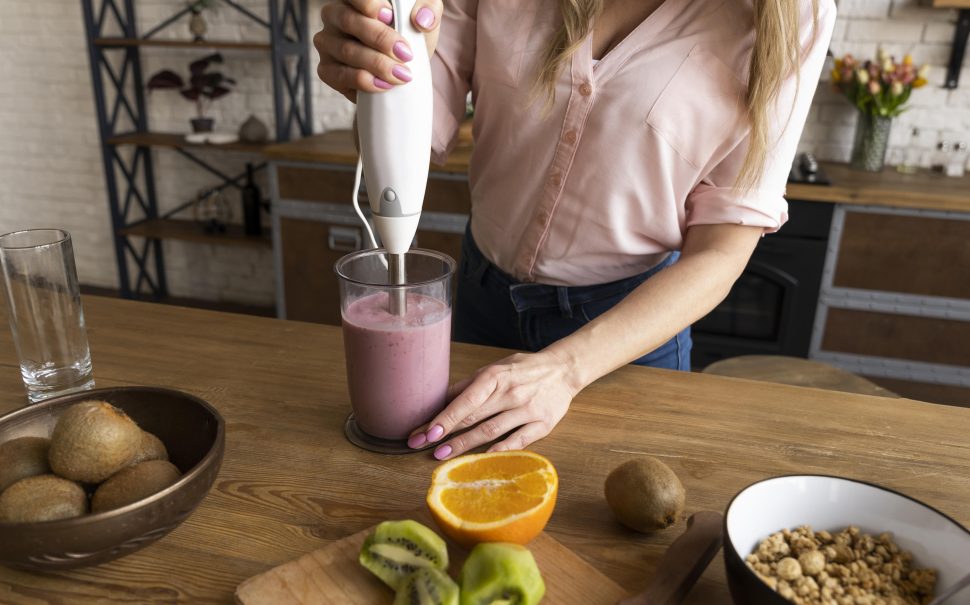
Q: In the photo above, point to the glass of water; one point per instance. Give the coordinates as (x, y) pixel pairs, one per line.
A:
(44, 307)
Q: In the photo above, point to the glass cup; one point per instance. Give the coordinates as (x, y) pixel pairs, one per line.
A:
(44, 308)
(397, 365)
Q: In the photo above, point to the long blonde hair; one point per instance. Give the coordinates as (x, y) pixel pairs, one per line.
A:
(776, 54)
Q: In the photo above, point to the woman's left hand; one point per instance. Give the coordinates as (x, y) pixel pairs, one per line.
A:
(526, 393)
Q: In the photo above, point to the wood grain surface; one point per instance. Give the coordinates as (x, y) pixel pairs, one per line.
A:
(291, 483)
(332, 574)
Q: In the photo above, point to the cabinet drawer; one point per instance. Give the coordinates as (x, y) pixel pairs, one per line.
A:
(907, 254)
(926, 339)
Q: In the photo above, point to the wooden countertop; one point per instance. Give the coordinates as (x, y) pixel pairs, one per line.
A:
(337, 147)
(291, 483)
(924, 190)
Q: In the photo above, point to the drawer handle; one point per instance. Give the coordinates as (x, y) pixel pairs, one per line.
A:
(344, 239)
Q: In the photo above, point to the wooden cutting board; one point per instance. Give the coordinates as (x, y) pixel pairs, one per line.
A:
(332, 575)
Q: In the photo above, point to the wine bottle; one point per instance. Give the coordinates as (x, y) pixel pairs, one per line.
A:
(251, 201)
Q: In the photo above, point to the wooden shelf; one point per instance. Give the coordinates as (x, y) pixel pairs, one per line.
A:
(219, 44)
(168, 139)
(189, 231)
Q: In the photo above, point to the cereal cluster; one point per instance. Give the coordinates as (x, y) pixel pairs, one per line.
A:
(846, 568)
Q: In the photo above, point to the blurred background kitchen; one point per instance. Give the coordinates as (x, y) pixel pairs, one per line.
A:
(52, 170)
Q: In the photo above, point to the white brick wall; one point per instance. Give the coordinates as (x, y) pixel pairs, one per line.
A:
(50, 165)
(900, 27)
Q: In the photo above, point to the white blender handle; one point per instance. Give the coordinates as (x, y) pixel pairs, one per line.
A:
(395, 142)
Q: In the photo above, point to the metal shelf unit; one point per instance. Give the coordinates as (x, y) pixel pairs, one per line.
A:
(114, 48)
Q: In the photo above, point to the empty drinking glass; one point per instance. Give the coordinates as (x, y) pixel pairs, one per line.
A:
(44, 308)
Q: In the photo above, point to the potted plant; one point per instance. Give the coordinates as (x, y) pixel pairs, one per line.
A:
(202, 88)
(879, 90)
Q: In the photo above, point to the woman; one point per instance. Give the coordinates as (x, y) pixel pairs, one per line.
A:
(612, 138)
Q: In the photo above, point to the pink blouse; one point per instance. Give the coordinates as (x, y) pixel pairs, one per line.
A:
(632, 153)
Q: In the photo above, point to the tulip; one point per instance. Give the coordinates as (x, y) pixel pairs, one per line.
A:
(874, 87)
(919, 82)
(836, 76)
(862, 76)
(907, 59)
(888, 66)
(924, 71)
(882, 55)
(848, 60)
(896, 89)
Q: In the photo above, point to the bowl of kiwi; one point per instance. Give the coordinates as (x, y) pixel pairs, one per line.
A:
(93, 476)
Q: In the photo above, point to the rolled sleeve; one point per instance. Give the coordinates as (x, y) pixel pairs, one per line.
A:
(451, 72)
(716, 200)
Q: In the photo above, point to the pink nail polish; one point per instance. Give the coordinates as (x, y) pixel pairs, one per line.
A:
(401, 73)
(385, 16)
(425, 18)
(382, 84)
(436, 432)
(402, 52)
(417, 440)
(442, 452)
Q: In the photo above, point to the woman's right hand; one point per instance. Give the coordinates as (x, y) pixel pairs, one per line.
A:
(359, 50)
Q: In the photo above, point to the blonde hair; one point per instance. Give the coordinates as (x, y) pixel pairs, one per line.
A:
(776, 53)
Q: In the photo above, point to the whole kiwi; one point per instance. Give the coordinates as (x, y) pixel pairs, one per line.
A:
(134, 483)
(93, 440)
(150, 448)
(42, 498)
(645, 494)
(23, 457)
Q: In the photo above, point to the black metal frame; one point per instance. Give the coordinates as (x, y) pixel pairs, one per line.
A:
(959, 50)
(131, 198)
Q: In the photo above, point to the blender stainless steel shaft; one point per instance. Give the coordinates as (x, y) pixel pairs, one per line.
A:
(395, 145)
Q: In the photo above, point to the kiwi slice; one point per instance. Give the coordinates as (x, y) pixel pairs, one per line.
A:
(42, 498)
(427, 586)
(497, 573)
(134, 483)
(150, 448)
(93, 440)
(397, 549)
(23, 457)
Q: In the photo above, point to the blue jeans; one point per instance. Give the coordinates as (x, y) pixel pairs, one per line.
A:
(493, 309)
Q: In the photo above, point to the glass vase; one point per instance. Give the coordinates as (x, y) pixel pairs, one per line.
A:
(871, 142)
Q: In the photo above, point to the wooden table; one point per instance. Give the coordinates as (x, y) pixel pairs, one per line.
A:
(291, 482)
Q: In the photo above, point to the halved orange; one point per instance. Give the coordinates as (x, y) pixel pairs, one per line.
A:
(493, 497)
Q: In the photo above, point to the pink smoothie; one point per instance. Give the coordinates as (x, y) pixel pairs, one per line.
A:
(397, 367)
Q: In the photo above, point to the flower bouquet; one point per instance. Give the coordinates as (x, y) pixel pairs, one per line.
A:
(879, 90)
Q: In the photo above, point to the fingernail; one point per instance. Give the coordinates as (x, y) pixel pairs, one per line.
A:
(402, 52)
(385, 16)
(417, 440)
(442, 452)
(425, 18)
(401, 73)
(436, 432)
(382, 84)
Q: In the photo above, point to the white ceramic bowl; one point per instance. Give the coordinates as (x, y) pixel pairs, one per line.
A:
(832, 503)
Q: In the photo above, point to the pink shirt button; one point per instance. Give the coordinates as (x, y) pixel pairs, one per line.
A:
(570, 136)
(585, 89)
(555, 179)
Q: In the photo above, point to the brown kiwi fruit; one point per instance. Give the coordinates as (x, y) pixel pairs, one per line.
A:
(93, 440)
(645, 494)
(134, 483)
(42, 498)
(23, 457)
(150, 448)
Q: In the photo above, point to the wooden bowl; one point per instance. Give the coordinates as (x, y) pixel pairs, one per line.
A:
(192, 431)
(833, 503)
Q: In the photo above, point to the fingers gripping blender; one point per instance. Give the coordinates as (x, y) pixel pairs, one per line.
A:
(395, 301)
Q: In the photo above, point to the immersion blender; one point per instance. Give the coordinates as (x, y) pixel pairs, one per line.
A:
(395, 147)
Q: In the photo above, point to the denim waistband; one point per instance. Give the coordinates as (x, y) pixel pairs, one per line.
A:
(531, 295)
